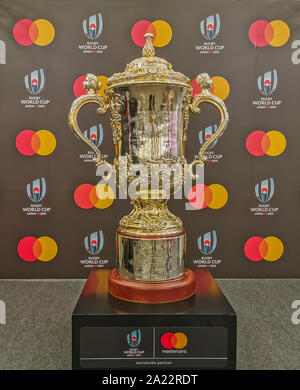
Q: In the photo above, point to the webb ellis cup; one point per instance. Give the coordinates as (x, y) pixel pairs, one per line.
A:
(149, 107)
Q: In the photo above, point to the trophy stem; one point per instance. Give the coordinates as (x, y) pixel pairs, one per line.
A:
(150, 217)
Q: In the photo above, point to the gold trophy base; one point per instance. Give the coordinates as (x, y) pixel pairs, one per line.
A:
(172, 290)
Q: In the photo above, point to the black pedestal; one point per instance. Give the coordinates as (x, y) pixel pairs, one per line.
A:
(197, 333)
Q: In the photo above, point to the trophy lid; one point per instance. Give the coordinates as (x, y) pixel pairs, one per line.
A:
(148, 69)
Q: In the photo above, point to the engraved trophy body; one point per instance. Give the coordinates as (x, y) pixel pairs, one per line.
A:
(149, 107)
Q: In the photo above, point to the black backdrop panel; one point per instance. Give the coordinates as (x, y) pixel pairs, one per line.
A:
(54, 226)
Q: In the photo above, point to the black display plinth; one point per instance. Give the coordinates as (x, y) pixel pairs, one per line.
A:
(197, 333)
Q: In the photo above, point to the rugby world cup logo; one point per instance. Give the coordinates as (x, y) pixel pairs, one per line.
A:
(95, 134)
(268, 82)
(94, 242)
(210, 27)
(92, 27)
(207, 243)
(205, 134)
(264, 191)
(36, 190)
(35, 82)
(134, 338)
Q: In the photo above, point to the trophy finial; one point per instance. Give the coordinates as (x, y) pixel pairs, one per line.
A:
(148, 50)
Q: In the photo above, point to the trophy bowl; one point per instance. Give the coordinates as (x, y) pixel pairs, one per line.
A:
(149, 106)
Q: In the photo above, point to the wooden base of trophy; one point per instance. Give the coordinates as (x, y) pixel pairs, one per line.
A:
(172, 290)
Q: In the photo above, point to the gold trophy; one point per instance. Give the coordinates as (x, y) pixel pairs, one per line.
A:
(149, 107)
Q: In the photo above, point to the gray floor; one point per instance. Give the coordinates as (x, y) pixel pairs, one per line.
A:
(37, 333)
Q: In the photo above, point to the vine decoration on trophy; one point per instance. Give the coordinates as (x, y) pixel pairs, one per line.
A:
(150, 215)
(116, 101)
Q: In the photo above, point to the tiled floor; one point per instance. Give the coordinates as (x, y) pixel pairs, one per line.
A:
(37, 333)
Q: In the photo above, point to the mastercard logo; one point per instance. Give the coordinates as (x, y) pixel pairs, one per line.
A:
(174, 340)
(39, 32)
(78, 89)
(214, 196)
(31, 248)
(272, 143)
(262, 33)
(221, 87)
(87, 196)
(258, 248)
(160, 29)
(42, 142)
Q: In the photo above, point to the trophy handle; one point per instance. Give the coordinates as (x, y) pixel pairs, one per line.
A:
(91, 85)
(205, 83)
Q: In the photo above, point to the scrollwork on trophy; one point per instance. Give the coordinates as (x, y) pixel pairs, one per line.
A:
(91, 85)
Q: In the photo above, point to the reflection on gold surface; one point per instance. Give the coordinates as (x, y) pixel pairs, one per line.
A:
(205, 283)
(98, 283)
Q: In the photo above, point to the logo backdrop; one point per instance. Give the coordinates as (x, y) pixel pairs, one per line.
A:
(55, 223)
